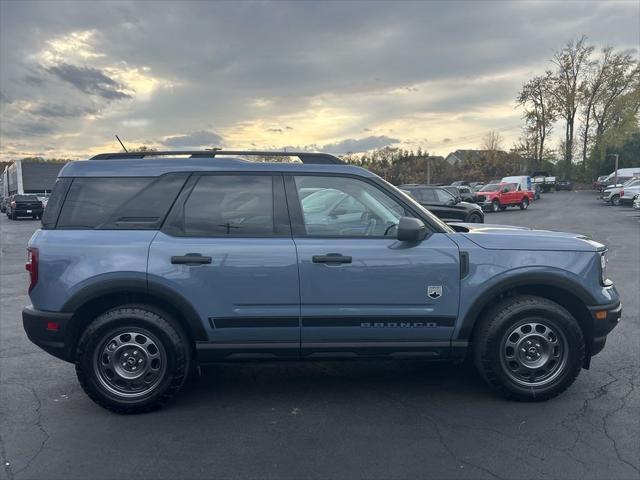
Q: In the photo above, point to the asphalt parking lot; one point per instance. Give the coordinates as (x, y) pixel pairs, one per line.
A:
(338, 419)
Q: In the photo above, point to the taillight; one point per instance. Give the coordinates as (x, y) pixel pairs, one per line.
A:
(32, 266)
(622, 193)
(13, 204)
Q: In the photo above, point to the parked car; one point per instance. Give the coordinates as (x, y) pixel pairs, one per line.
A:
(636, 202)
(564, 184)
(460, 183)
(629, 191)
(498, 196)
(612, 194)
(617, 179)
(24, 206)
(468, 194)
(464, 194)
(597, 184)
(476, 185)
(546, 181)
(537, 192)
(443, 204)
(145, 268)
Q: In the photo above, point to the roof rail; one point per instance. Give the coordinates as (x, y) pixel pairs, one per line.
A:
(305, 157)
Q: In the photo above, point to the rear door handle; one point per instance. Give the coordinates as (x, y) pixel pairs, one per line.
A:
(190, 259)
(331, 258)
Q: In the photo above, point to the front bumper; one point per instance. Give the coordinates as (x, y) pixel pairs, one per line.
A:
(48, 330)
(605, 318)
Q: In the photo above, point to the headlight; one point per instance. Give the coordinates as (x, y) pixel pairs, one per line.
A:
(603, 268)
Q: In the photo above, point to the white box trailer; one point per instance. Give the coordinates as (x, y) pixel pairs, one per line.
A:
(37, 177)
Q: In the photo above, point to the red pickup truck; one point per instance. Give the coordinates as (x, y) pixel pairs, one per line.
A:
(498, 196)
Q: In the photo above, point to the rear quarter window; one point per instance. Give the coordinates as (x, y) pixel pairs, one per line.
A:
(119, 202)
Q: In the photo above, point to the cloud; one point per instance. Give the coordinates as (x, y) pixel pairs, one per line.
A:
(89, 80)
(352, 145)
(194, 140)
(446, 140)
(60, 110)
(4, 98)
(406, 70)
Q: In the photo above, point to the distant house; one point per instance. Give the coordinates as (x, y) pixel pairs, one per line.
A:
(457, 157)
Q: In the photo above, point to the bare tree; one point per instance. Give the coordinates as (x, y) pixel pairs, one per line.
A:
(539, 112)
(568, 86)
(492, 141)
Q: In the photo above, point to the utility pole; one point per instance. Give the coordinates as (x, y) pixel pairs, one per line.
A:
(615, 182)
(429, 170)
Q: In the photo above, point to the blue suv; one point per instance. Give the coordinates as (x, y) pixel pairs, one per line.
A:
(149, 264)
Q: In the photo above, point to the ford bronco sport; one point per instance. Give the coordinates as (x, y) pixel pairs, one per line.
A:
(147, 267)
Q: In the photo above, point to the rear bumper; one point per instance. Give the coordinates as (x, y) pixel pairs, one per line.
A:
(27, 212)
(605, 318)
(48, 330)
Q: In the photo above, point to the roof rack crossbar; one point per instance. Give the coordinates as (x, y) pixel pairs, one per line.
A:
(305, 157)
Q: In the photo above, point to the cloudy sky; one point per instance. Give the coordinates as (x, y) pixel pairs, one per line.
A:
(333, 76)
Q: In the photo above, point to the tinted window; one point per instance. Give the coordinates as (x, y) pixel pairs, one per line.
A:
(492, 187)
(444, 196)
(428, 195)
(25, 198)
(119, 203)
(55, 202)
(230, 205)
(347, 207)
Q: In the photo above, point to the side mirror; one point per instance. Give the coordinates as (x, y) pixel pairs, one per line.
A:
(411, 229)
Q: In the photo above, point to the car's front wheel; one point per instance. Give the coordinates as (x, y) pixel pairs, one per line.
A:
(475, 217)
(524, 204)
(495, 206)
(529, 348)
(132, 359)
(615, 200)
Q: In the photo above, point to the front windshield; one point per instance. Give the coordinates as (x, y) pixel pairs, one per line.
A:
(492, 187)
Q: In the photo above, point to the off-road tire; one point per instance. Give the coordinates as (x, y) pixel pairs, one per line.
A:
(524, 204)
(488, 340)
(495, 206)
(176, 347)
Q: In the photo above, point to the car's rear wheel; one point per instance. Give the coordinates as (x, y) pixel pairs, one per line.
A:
(132, 359)
(528, 348)
(475, 217)
(495, 206)
(615, 200)
(524, 204)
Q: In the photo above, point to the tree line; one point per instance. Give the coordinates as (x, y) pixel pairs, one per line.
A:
(594, 97)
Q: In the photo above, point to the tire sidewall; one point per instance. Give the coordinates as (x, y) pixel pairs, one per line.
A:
(525, 204)
(495, 206)
(615, 200)
(475, 217)
(175, 346)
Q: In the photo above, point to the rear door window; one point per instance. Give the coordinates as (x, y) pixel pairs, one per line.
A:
(230, 205)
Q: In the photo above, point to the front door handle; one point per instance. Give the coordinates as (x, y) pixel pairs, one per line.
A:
(190, 259)
(331, 258)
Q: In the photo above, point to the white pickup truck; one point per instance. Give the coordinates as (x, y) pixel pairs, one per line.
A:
(546, 182)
